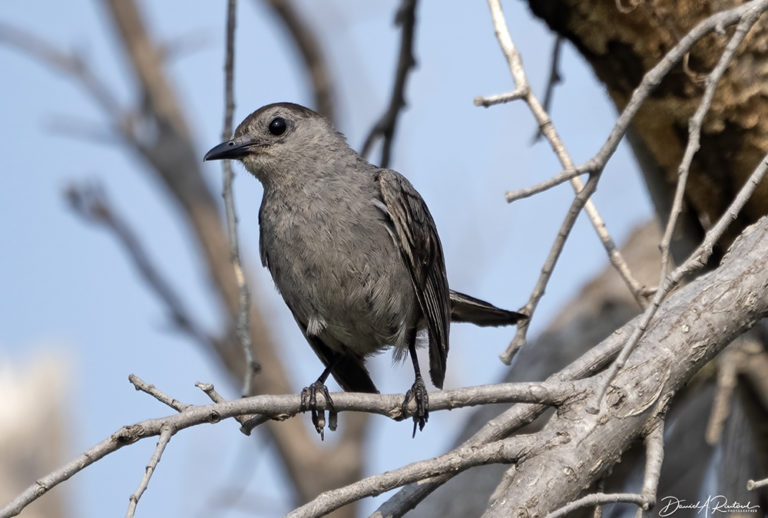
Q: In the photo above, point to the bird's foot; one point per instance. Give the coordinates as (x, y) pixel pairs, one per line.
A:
(418, 393)
(309, 402)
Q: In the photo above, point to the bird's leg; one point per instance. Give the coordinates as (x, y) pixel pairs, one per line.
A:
(309, 402)
(418, 391)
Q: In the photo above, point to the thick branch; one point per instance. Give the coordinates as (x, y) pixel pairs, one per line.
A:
(693, 325)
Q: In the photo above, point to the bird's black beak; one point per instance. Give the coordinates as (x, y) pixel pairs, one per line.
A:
(236, 148)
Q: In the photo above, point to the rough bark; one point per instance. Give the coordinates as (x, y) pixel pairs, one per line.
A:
(693, 326)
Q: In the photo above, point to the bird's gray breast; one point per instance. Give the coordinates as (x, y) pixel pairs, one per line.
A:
(334, 261)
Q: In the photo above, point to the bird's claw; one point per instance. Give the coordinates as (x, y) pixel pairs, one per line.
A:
(417, 392)
(309, 402)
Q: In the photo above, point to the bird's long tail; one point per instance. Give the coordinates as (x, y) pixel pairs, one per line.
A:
(469, 309)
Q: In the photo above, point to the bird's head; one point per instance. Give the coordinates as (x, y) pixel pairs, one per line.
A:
(280, 138)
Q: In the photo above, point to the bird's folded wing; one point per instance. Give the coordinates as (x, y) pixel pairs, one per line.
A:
(416, 235)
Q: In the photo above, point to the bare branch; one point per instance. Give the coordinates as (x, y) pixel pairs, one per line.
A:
(549, 266)
(727, 374)
(387, 124)
(123, 436)
(284, 406)
(147, 63)
(507, 423)
(694, 133)
(699, 257)
(493, 100)
(695, 324)
(166, 433)
(554, 78)
(756, 484)
(167, 148)
(654, 457)
(697, 260)
(247, 421)
(156, 393)
(583, 192)
(561, 177)
(651, 79)
(242, 322)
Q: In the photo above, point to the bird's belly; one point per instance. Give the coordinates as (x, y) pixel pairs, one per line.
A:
(354, 292)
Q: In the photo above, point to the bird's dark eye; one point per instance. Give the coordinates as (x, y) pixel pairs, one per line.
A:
(277, 126)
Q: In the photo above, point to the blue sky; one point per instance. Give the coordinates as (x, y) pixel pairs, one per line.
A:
(67, 288)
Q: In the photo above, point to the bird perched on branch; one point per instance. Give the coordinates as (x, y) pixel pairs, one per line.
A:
(353, 250)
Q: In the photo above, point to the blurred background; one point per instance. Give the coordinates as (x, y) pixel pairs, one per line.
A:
(76, 318)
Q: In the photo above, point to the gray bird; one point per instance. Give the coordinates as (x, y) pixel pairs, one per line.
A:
(353, 250)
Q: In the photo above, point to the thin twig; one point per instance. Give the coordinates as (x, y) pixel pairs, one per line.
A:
(561, 177)
(242, 325)
(694, 133)
(583, 192)
(491, 100)
(649, 82)
(165, 436)
(247, 421)
(387, 124)
(654, 457)
(554, 78)
(755, 484)
(156, 393)
(549, 265)
(725, 386)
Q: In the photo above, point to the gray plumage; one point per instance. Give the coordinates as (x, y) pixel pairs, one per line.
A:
(352, 248)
